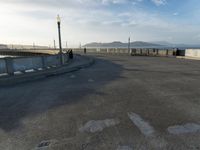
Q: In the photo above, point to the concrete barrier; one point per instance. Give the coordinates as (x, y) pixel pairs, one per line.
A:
(52, 60)
(152, 52)
(23, 64)
(12, 65)
(133, 51)
(2, 66)
(192, 53)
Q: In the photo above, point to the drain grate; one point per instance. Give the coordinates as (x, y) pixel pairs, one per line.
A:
(44, 144)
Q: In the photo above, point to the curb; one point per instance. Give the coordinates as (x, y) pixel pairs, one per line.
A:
(188, 58)
(12, 80)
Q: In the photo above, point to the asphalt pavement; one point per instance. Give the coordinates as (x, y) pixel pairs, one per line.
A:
(118, 103)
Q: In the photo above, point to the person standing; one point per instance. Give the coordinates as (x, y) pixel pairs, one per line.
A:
(85, 50)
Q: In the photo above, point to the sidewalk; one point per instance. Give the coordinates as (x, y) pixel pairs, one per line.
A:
(77, 63)
(186, 57)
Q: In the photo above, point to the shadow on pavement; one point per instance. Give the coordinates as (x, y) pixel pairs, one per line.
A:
(32, 98)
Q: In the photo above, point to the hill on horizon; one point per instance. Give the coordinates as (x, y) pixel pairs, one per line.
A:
(118, 44)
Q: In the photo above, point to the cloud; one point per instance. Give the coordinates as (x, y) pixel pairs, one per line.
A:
(89, 20)
(175, 14)
(159, 2)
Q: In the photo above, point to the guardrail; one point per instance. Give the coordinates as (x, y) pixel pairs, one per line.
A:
(15, 65)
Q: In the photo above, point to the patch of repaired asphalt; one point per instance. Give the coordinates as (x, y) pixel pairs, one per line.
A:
(98, 126)
(184, 129)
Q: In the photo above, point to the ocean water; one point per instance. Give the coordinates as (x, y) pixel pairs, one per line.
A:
(3, 56)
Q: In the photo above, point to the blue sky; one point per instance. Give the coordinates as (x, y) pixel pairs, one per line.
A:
(28, 21)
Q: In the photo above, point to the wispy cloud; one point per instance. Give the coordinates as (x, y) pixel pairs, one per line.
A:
(159, 2)
(93, 20)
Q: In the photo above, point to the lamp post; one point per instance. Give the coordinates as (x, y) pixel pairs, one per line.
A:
(59, 36)
(129, 44)
(54, 43)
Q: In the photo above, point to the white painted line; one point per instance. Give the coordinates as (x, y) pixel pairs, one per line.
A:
(98, 126)
(144, 126)
(148, 131)
(184, 129)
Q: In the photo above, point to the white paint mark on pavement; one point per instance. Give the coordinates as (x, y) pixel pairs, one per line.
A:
(98, 126)
(124, 148)
(148, 131)
(90, 80)
(184, 129)
(144, 126)
(72, 76)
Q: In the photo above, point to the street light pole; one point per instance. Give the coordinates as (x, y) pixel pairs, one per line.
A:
(59, 36)
(54, 43)
(129, 44)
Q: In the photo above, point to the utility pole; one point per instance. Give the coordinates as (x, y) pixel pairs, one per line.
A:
(66, 45)
(34, 45)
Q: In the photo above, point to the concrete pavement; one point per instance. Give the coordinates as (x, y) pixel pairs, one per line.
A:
(119, 103)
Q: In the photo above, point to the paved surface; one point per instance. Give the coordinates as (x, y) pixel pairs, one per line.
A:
(119, 103)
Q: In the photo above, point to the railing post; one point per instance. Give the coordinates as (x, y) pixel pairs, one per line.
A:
(157, 52)
(167, 52)
(65, 58)
(9, 65)
(44, 62)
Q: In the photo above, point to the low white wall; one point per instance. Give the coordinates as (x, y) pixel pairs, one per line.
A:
(133, 51)
(2, 66)
(11, 65)
(21, 64)
(192, 53)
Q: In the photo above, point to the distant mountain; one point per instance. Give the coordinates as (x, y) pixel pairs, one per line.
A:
(175, 45)
(118, 44)
(164, 43)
